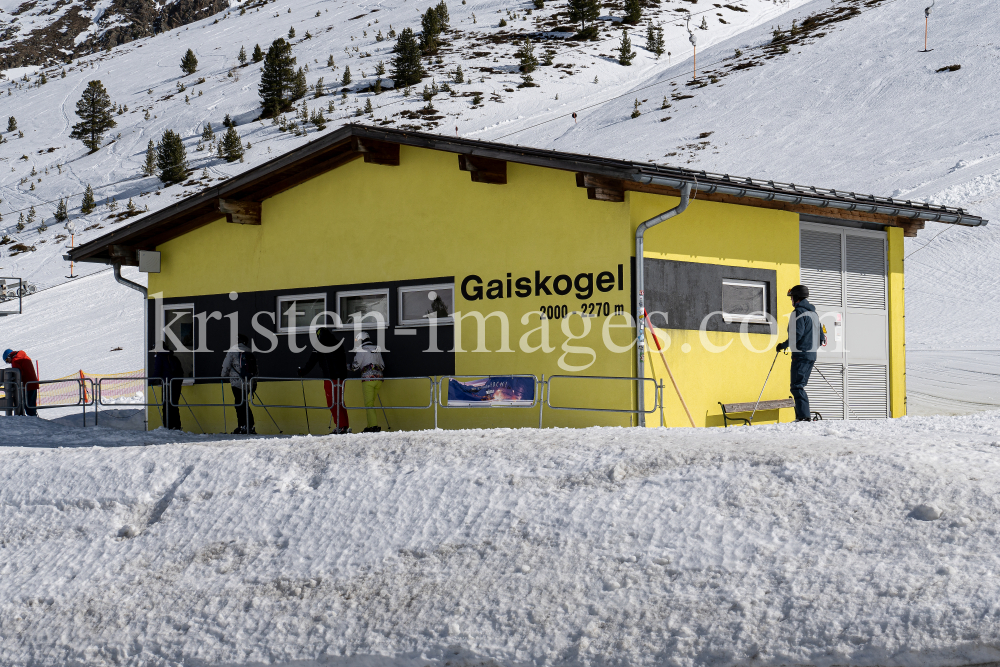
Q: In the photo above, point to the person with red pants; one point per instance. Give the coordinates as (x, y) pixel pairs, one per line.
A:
(332, 361)
(29, 379)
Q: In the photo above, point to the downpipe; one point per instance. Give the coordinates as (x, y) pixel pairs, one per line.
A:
(640, 285)
(145, 328)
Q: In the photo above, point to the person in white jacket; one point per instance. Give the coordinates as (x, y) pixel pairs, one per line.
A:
(231, 370)
(368, 360)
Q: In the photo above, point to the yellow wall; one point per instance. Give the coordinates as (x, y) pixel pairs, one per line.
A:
(369, 223)
(897, 325)
(718, 233)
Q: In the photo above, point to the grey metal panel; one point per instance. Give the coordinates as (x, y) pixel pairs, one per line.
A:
(821, 266)
(822, 398)
(866, 272)
(869, 391)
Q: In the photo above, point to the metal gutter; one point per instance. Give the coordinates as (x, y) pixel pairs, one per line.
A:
(814, 197)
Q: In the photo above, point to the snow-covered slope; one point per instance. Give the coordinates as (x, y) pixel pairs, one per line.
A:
(92, 324)
(795, 544)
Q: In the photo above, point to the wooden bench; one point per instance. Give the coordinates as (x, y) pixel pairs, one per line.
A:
(731, 408)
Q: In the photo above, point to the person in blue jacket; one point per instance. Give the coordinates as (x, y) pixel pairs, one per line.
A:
(805, 337)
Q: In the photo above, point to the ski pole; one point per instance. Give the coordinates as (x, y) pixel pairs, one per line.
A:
(387, 426)
(837, 393)
(305, 406)
(192, 413)
(267, 411)
(776, 353)
(222, 390)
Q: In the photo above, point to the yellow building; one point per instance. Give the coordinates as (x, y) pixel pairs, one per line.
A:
(475, 259)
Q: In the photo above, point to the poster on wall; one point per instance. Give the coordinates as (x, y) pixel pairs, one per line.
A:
(506, 390)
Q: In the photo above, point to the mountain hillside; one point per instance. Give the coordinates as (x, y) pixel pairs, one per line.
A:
(836, 94)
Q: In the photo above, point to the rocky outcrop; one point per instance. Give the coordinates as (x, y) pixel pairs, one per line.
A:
(122, 22)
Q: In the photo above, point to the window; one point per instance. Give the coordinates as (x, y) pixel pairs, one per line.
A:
(296, 313)
(365, 308)
(744, 301)
(178, 335)
(419, 304)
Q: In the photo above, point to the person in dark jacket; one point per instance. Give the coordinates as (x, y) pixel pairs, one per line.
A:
(332, 366)
(805, 336)
(20, 360)
(166, 365)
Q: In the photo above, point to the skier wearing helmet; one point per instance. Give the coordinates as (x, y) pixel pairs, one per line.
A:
(805, 336)
(368, 360)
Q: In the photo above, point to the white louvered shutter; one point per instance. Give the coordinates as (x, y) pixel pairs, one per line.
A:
(822, 397)
(869, 391)
(821, 268)
(865, 272)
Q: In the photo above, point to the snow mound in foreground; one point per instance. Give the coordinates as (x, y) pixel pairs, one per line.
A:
(776, 545)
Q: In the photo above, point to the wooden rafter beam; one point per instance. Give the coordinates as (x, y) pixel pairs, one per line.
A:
(601, 188)
(377, 152)
(241, 212)
(484, 169)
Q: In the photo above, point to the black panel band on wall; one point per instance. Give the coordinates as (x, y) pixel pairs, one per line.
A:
(690, 291)
(406, 355)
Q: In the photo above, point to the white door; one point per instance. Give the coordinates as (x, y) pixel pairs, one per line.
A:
(845, 271)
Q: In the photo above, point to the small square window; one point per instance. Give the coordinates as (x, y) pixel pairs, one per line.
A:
(744, 301)
(365, 308)
(302, 312)
(419, 304)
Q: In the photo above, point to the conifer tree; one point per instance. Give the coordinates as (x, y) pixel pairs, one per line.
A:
(277, 78)
(189, 63)
(207, 133)
(291, 33)
(31, 216)
(171, 158)
(625, 52)
(584, 12)
(527, 63)
(654, 39)
(299, 85)
(95, 111)
(149, 166)
(633, 11)
(258, 55)
(20, 222)
(11, 124)
(329, 62)
(61, 214)
(319, 88)
(242, 57)
(232, 147)
(87, 206)
(347, 76)
(407, 69)
(227, 121)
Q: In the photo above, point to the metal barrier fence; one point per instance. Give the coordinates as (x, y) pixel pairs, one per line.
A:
(84, 398)
(222, 386)
(657, 394)
(103, 393)
(118, 397)
(432, 383)
(305, 405)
